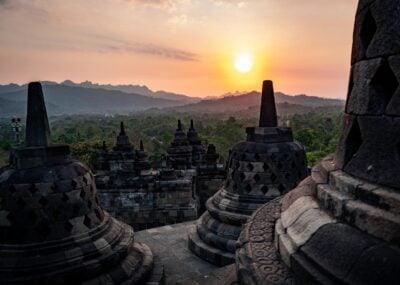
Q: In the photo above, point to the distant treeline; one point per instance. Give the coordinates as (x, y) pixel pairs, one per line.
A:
(317, 131)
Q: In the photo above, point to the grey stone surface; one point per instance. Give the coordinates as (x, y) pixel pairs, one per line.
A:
(169, 244)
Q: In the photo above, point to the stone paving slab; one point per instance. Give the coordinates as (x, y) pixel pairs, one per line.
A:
(170, 245)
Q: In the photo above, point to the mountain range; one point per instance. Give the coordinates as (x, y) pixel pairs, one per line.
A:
(89, 98)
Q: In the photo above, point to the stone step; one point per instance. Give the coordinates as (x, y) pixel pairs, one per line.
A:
(211, 254)
(219, 228)
(366, 217)
(226, 244)
(374, 195)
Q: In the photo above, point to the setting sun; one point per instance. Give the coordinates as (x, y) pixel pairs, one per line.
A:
(243, 62)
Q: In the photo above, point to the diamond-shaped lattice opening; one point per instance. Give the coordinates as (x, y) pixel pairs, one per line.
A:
(353, 142)
(250, 166)
(264, 189)
(76, 210)
(74, 184)
(10, 216)
(265, 167)
(273, 177)
(3, 202)
(279, 165)
(287, 176)
(272, 157)
(242, 177)
(43, 201)
(257, 156)
(248, 188)
(56, 213)
(33, 188)
(43, 229)
(256, 178)
(68, 226)
(54, 187)
(21, 203)
(64, 198)
(98, 214)
(293, 164)
(281, 188)
(32, 217)
(87, 221)
(368, 29)
(385, 83)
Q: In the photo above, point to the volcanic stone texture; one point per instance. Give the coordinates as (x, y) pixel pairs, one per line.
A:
(265, 166)
(52, 227)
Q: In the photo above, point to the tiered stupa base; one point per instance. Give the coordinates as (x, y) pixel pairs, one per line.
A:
(262, 168)
(332, 229)
(107, 254)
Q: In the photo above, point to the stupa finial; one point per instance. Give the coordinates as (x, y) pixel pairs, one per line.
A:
(179, 125)
(122, 129)
(37, 123)
(268, 110)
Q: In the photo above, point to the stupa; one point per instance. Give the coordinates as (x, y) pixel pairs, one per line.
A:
(52, 227)
(198, 148)
(341, 225)
(209, 178)
(267, 165)
(180, 151)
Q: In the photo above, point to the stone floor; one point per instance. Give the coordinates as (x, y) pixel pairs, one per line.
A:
(182, 267)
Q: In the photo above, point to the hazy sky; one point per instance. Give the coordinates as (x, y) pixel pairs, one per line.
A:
(184, 46)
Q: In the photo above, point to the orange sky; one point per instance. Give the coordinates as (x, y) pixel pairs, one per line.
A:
(183, 46)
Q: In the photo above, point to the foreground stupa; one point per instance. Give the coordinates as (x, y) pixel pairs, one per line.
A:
(52, 228)
(341, 225)
(268, 164)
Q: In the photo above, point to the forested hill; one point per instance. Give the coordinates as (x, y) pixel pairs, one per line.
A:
(69, 98)
(250, 100)
(62, 99)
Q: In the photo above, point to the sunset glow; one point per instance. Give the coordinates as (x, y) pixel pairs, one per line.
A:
(184, 46)
(243, 62)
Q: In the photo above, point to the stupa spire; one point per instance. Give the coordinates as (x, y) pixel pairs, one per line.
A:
(122, 129)
(37, 123)
(268, 110)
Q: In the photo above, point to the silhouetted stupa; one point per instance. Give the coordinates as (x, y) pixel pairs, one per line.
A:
(52, 227)
(268, 164)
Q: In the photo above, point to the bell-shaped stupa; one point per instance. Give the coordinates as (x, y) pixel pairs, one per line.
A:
(267, 165)
(52, 227)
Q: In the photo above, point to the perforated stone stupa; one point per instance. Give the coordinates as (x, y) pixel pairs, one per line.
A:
(52, 227)
(209, 178)
(268, 164)
(180, 150)
(341, 225)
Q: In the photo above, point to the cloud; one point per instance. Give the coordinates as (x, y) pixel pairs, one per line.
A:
(161, 51)
(109, 44)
